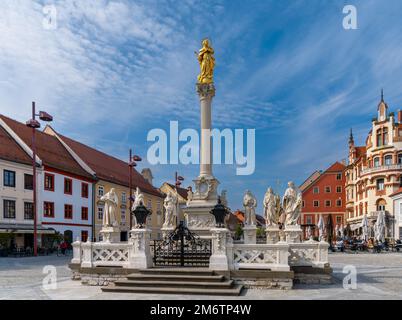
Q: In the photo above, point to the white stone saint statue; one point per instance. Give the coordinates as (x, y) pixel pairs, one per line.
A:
(109, 215)
(138, 199)
(249, 203)
(321, 228)
(292, 202)
(272, 208)
(170, 204)
(189, 195)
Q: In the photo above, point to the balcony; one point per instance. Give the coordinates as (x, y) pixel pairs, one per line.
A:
(374, 214)
(392, 167)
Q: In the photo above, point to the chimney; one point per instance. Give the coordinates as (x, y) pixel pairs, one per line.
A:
(400, 116)
(147, 174)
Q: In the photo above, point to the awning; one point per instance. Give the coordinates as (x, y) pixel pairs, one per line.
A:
(25, 229)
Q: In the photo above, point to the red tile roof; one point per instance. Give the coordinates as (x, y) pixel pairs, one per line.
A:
(181, 191)
(109, 168)
(360, 151)
(48, 148)
(336, 167)
(11, 151)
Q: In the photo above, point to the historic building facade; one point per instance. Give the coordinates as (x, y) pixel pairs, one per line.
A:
(16, 195)
(111, 172)
(323, 193)
(374, 171)
(397, 199)
(64, 188)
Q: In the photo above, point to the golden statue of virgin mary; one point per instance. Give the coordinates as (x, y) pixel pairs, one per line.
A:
(207, 63)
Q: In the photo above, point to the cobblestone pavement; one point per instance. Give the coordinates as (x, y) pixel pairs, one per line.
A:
(379, 276)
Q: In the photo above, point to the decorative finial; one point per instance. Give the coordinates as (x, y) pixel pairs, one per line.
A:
(382, 95)
(351, 136)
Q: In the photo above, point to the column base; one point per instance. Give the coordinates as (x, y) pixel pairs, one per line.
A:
(219, 257)
(110, 234)
(272, 233)
(139, 253)
(250, 234)
(293, 234)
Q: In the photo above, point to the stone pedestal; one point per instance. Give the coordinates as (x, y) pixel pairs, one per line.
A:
(76, 252)
(139, 253)
(166, 231)
(272, 233)
(219, 257)
(110, 234)
(250, 234)
(293, 234)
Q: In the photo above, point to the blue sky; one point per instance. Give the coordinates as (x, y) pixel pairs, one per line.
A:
(113, 70)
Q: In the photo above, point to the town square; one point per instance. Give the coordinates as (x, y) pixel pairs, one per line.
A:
(143, 157)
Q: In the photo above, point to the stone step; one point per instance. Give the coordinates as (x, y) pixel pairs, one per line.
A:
(235, 291)
(178, 271)
(176, 277)
(176, 284)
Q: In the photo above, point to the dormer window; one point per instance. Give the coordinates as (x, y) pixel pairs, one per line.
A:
(382, 137)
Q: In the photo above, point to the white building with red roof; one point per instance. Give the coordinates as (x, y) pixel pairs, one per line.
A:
(374, 171)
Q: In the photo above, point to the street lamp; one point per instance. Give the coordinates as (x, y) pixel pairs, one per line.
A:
(132, 162)
(34, 124)
(178, 179)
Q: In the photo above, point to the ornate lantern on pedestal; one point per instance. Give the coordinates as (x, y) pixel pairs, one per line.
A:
(219, 212)
(141, 213)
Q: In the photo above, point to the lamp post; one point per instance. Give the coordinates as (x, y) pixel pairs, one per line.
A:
(132, 162)
(178, 179)
(34, 124)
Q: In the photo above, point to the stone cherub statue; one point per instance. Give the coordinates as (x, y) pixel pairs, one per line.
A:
(292, 202)
(109, 215)
(189, 195)
(249, 203)
(138, 199)
(206, 59)
(170, 204)
(272, 208)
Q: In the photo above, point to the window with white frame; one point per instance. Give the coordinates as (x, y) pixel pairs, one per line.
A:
(100, 213)
(101, 191)
(388, 160)
(316, 190)
(123, 216)
(376, 162)
(338, 189)
(380, 184)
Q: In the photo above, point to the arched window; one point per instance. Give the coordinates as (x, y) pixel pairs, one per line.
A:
(379, 138)
(381, 203)
(382, 137)
(388, 160)
(385, 136)
(376, 162)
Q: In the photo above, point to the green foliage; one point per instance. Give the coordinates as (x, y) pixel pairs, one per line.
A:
(239, 231)
(5, 239)
(260, 232)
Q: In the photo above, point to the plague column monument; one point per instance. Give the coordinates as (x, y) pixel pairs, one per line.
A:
(205, 196)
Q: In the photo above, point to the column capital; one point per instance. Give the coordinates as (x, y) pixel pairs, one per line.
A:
(205, 90)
